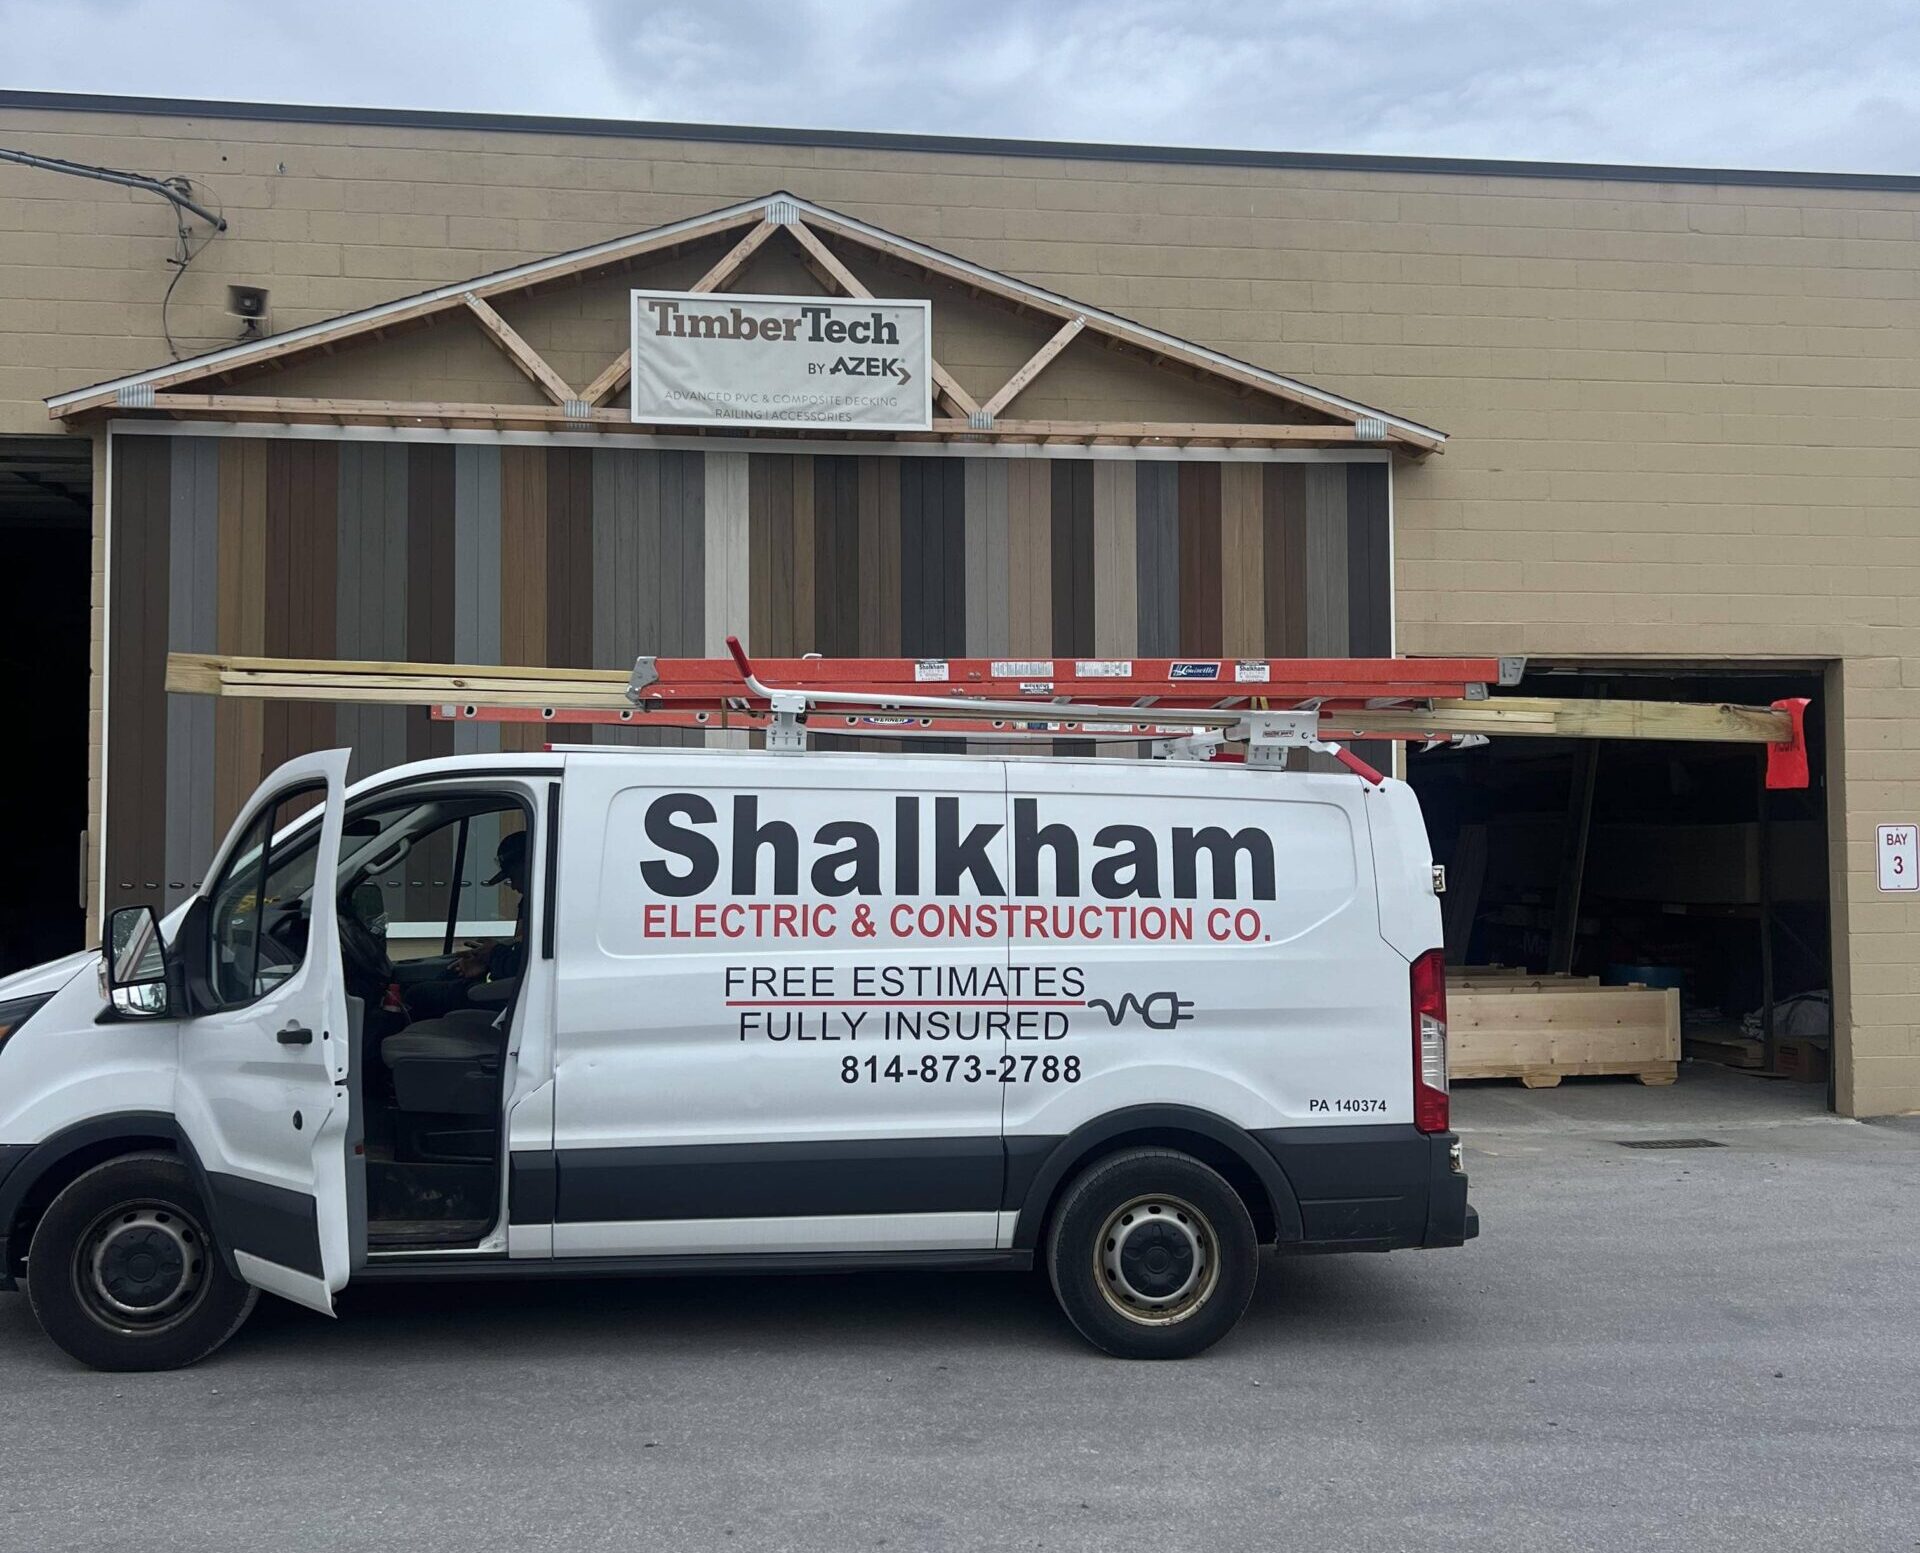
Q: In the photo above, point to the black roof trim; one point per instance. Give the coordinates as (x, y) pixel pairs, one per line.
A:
(950, 145)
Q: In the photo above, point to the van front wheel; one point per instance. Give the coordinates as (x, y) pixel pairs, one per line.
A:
(123, 1275)
(1152, 1255)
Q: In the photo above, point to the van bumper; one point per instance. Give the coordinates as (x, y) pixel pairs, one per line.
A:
(1374, 1188)
(1451, 1220)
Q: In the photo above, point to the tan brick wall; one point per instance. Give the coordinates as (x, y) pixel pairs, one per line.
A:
(1684, 416)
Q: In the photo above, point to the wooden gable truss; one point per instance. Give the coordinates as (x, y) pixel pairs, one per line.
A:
(202, 388)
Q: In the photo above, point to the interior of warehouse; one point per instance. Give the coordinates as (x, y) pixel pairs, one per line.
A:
(1625, 885)
(46, 495)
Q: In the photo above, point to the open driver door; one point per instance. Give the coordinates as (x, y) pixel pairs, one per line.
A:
(264, 1088)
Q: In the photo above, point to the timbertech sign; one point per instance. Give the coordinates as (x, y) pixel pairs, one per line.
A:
(707, 359)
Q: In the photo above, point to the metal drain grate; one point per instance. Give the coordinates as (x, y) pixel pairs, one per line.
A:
(1669, 1143)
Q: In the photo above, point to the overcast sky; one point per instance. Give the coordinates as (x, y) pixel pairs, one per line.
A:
(1755, 83)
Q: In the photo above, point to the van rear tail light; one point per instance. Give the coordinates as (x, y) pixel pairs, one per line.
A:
(1429, 977)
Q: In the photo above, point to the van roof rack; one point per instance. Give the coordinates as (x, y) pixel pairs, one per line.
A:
(1189, 708)
(1257, 710)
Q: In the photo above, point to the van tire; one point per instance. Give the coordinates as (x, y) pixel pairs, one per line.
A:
(1152, 1255)
(123, 1275)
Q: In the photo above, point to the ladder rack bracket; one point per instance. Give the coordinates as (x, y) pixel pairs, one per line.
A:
(1201, 746)
(646, 674)
(1271, 735)
(787, 729)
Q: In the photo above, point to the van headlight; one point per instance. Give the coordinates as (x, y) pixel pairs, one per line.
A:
(17, 1011)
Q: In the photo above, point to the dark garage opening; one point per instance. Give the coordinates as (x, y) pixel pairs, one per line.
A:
(46, 494)
(1612, 862)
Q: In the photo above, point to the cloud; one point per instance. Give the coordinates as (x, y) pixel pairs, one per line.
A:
(1709, 82)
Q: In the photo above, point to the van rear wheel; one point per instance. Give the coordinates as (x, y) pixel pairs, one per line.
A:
(123, 1275)
(1152, 1255)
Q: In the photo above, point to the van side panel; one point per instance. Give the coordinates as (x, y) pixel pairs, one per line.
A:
(852, 1005)
(1248, 979)
(741, 953)
(68, 1065)
(1403, 869)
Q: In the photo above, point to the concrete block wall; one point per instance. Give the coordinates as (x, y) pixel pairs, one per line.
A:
(1686, 416)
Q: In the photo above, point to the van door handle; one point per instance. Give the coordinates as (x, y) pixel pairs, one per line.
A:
(295, 1035)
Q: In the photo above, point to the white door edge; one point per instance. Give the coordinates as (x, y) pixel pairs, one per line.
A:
(301, 1288)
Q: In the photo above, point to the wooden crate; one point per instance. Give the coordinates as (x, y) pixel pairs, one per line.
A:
(1543, 1034)
(1518, 981)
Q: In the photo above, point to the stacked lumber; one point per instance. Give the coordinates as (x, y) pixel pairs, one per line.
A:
(1728, 1046)
(1504, 1023)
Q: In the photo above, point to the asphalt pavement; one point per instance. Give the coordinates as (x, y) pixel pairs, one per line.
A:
(1693, 1349)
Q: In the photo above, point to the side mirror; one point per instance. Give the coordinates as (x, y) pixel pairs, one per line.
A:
(134, 963)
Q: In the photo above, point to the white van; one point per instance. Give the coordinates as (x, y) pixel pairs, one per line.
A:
(741, 1012)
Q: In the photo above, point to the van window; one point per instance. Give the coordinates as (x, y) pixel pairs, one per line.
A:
(258, 929)
(423, 873)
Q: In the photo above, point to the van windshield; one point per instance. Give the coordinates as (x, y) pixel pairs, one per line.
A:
(260, 904)
(263, 902)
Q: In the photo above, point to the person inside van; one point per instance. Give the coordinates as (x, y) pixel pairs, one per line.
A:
(498, 959)
(492, 963)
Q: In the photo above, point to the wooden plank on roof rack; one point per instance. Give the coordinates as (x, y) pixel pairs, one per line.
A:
(1163, 687)
(1168, 692)
(1550, 717)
